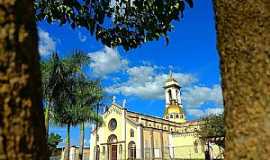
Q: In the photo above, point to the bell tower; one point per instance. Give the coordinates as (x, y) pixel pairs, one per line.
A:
(173, 107)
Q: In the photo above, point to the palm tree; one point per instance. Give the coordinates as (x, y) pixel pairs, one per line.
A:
(53, 76)
(59, 84)
(72, 94)
(47, 68)
(88, 95)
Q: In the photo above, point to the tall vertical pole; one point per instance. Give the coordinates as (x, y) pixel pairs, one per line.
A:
(97, 110)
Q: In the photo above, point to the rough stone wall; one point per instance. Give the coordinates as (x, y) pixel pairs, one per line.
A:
(22, 131)
(243, 29)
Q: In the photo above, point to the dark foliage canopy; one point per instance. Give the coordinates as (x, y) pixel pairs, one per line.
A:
(73, 96)
(213, 129)
(127, 23)
(53, 140)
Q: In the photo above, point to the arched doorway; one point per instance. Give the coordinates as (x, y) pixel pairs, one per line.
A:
(112, 142)
(131, 150)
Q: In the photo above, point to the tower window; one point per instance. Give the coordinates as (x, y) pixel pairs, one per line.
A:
(177, 116)
(171, 116)
(170, 94)
(177, 95)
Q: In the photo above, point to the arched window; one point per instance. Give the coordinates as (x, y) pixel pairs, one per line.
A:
(131, 133)
(97, 152)
(132, 150)
(171, 116)
(112, 139)
(170, 94)
(177, 116)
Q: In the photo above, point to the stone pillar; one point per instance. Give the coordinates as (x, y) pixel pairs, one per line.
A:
(152, 145)
(161, 144)
(140, 144)
(171, 146)
(124, 121)
(92, 147)
(124, 132)
(106, 152)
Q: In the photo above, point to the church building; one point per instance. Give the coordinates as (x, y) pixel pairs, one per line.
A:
(125, 134)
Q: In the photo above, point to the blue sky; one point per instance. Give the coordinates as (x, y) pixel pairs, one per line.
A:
(138, 75)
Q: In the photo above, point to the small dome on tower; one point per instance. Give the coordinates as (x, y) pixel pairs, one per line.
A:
(173, 108)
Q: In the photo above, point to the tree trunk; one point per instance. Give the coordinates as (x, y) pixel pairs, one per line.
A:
(81, 141)
(22, 131)
(67, 147)
(243, 29)
(47, 118)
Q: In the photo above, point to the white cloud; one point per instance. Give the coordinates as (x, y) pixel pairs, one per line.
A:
(46, 44)
(198, 113)
(145, 82)
(195, 96)
(106, 61)
(82, 37)
(214, 110)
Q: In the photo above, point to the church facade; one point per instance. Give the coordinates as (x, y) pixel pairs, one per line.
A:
(126, 134)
